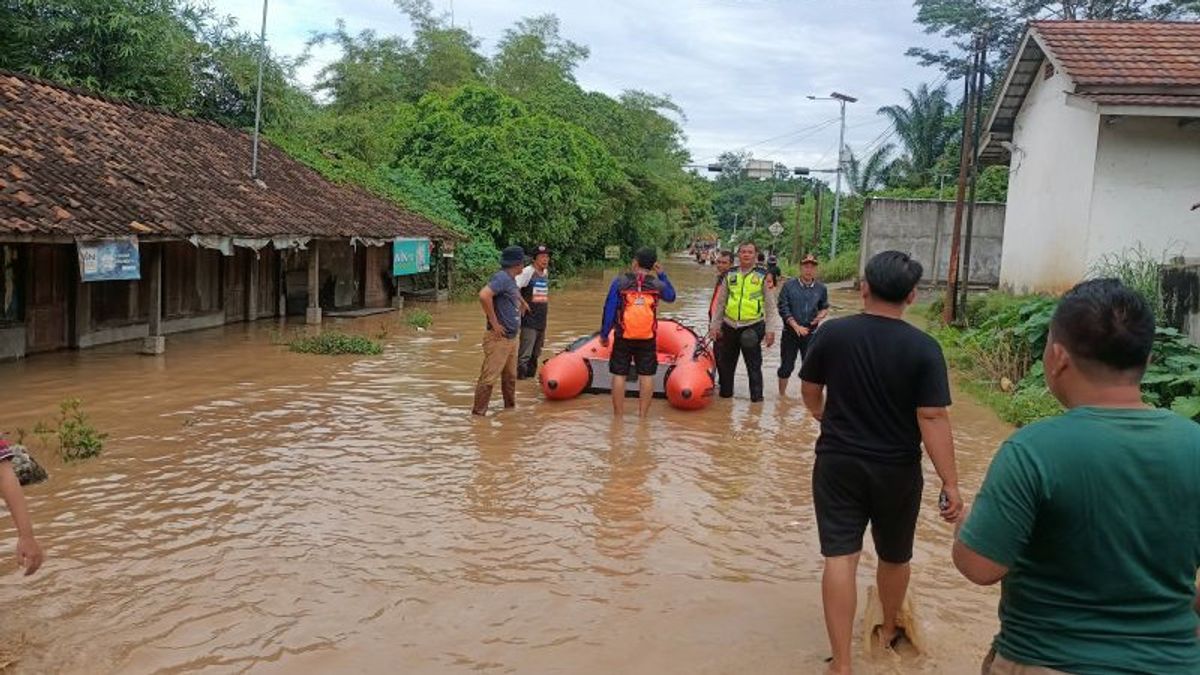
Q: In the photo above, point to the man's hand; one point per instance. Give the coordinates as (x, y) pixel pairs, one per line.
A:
(29, 554)
(802, 331)
(955, 509)
(770, 339)
(524, 307)
(499, 332)
(714, 335)
(657, 269)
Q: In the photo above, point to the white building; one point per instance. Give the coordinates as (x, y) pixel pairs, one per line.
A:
(1099, 122)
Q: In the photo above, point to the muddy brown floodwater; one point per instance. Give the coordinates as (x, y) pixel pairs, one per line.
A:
(257, 510)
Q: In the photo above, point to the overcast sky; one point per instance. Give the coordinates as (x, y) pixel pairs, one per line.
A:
(740, 69)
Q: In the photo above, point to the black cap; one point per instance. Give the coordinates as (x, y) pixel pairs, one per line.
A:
(539, 250)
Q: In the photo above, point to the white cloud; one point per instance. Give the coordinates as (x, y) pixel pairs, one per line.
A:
(741, 69)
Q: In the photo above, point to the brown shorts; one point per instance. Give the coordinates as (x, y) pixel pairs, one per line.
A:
(995, 664)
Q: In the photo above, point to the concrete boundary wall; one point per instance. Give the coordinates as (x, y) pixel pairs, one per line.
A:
(923, 228)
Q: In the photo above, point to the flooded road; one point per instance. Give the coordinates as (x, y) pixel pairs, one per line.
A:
(257, 510)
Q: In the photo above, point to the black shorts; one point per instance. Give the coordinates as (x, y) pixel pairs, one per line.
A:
(850, 491)
(641, 352)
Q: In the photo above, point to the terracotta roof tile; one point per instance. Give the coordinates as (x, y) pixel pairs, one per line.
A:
(1125, 53)
(1157, 100)
(78, 165)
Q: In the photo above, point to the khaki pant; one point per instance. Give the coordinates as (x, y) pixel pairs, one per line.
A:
(995, 664)
(499, 359)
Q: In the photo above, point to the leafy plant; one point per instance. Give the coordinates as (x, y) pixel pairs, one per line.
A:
(418, 318)
(77, 438)
(1138, 269)
(332, 343)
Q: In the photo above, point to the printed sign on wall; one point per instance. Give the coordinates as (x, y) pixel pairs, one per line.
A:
(114, 259)
(410, 256)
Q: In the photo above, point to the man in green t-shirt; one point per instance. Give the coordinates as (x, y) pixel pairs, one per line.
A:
(1091, 520)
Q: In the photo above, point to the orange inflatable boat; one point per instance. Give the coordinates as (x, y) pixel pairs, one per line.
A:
(685, 374)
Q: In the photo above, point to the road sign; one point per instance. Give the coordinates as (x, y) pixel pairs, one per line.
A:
(782, 199)
(775, 229)
(612, 252)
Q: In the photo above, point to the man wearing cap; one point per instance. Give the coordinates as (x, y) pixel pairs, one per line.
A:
(803, 304)
(503, 306)
(534, 282)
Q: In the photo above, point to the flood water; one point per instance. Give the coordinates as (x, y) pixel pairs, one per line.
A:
(258, 510)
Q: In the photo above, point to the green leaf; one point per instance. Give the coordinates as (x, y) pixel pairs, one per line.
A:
(1188, 406)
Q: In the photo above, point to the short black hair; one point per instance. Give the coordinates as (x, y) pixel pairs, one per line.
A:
(1105, 323)
(726, 254)
(744, 244)
(892, 275)
(645, 257)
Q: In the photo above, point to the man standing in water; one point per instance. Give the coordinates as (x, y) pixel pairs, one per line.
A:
(879, 388)
(723, 264)
(747, 319)
(502, 305)
(632, 310)
(803, 303)
(534, 282)
(1089, 519)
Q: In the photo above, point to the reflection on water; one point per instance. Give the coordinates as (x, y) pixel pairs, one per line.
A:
(268, 511)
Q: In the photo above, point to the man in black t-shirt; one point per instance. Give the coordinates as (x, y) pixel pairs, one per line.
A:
(879, 388)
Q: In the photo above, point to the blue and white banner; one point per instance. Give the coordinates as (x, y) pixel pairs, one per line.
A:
(114, 259)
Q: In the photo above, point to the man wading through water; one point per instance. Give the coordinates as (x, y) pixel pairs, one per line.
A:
(503, 306)
(631, 311)
(878, 386)
(534, 282)
(749, 318)
(803, 303)
(1091, 520)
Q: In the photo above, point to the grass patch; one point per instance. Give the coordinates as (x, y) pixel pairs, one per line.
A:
(333, 343)
(78, 438)
(418, 318)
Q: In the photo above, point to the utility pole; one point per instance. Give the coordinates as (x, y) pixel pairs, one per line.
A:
(262, 55)
(842, 99)
(980, 73)
(817, 219)
(950, 309)
(798, 243)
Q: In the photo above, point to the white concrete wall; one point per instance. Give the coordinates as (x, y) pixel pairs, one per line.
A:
(924, 229)
(1049, 190)
(1147, 178)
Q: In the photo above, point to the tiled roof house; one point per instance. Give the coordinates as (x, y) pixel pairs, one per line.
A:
(1099, 124)
(215, 244)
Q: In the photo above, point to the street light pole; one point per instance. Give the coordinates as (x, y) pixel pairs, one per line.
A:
(842, 99)
(837, 190)
(262, 55)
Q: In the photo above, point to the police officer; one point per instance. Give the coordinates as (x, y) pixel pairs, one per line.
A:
(749, 320)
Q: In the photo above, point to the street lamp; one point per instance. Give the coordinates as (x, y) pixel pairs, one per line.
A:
(842, 100)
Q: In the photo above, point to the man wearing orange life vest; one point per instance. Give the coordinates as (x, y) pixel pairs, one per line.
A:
(631, 312)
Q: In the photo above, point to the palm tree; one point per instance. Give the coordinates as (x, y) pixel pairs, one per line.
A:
(924, 127)
(871, 174)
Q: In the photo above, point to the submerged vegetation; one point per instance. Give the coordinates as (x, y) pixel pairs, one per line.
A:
(418, 318)
(335, 343)
(77, 437)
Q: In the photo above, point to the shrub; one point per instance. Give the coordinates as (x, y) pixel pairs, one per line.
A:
(418, 318)
(335, 343)
(1138, 269)
(77, 437)
(842, 268)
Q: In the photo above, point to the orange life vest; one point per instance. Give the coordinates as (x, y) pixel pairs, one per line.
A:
(639, 309)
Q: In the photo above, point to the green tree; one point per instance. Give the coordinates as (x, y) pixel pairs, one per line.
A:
(1003, 23)
(925, 125)
(138, 50)
(370, 70)
(865, 177)
(533, 57)
(447, 57)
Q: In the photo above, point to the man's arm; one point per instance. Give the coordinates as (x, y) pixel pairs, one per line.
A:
(486, 295)
(29, 553)
(939, 444)
(784, 303)
(714, 326)
(771, 311)
(610, 311)
(668, 291)
(814, 398)
(976, 568)
(525, 276)
(822, 305)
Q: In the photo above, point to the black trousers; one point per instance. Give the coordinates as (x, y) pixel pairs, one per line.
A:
(746, 342)
(790, 346)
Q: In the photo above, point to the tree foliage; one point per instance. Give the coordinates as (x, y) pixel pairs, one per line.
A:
(925, 124)
(1003, 23)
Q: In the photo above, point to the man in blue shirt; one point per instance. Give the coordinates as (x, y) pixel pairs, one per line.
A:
(631, 313)
(503, 306)
(803, 303)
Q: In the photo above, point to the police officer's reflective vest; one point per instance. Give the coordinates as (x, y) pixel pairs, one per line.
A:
(745, 300)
